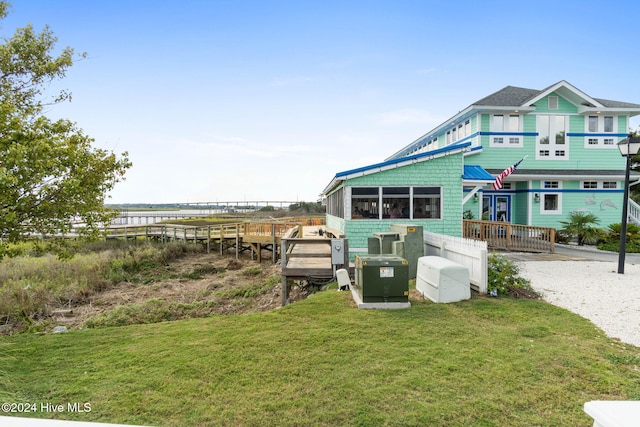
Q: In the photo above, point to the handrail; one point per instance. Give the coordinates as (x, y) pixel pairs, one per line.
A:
(507, 236)
(633, 212)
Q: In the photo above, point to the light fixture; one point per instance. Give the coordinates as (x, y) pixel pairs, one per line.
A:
(536, 196)
(475, 196)
(628, 148)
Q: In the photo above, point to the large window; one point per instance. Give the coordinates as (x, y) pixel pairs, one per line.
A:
(551, 137)
(365, 202)
(426, 202)
(508, 127)
(396, 202)
(335, 203)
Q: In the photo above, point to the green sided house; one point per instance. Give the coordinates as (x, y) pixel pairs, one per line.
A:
(425, 189)
(566, 140)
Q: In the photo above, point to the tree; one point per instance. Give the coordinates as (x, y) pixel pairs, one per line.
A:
(50, 175)
(307, 207)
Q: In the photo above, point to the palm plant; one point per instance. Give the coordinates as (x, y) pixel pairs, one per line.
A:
(581, 226)
(633, 232)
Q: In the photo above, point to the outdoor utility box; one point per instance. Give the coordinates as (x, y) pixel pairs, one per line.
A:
(412, 237)
(382, 278)
(403, 240)
(338, 251)
(442, 280)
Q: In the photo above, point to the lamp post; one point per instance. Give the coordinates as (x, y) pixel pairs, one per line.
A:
(628, 148)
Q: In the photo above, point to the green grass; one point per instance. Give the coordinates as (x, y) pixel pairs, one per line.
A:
(482, 362)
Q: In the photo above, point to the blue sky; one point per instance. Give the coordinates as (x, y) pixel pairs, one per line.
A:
(268, 100)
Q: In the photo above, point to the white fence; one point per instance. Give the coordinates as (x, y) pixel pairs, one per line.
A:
(470, 253)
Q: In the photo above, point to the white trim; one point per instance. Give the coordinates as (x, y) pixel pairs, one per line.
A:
(545, 192)
(563, 84)
(526, 177)
(399, 164)
(531, 202)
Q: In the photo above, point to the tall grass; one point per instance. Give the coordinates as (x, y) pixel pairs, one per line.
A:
(159, 310)
(32, 287)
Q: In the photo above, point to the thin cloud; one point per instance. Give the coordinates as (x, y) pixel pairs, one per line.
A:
(407, 116)
(242, 147)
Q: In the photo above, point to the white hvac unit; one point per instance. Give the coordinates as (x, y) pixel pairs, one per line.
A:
(442, 280)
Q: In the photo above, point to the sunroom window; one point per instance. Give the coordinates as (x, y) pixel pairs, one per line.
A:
(396, 203)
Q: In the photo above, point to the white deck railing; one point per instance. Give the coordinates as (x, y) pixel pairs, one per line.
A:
(633, 213)
(470, 253)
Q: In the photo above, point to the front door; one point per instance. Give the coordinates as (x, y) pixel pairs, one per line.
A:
(496, 207)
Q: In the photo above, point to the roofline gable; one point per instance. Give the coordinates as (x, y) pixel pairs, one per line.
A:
(557, 87)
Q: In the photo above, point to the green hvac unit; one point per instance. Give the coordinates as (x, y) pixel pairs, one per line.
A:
(406, 241)
(382, 278)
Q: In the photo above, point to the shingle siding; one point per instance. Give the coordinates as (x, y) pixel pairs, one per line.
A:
(445, 172)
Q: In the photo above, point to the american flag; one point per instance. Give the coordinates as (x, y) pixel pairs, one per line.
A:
(497, 184)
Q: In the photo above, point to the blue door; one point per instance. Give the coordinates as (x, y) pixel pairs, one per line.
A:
(496, 207)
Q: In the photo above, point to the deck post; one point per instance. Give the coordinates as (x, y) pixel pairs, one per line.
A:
(285, 291)
(283, 265)
(274, 252)
(237, 242)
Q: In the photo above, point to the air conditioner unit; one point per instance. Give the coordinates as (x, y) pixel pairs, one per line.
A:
(442, 280)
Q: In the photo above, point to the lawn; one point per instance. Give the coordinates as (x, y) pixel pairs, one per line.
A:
(322, 362)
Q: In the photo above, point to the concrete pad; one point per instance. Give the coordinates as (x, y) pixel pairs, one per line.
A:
(377, 305)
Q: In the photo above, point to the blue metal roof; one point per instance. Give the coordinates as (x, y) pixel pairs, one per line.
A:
(421, 156)
(476, 173)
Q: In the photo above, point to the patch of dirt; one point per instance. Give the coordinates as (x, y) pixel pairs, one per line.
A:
(195, 278)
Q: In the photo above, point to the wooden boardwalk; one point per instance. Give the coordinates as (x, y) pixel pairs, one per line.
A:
(306, 255)
(241, 236)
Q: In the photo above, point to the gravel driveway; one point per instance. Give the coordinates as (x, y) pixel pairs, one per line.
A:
(589, 286)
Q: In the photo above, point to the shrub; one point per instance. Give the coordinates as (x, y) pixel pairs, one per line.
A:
(155, 310)
(504, 278)
(581, 227)
(142, 263)
(633, 232)
(611, 241)
(252, 271)
(631, 247)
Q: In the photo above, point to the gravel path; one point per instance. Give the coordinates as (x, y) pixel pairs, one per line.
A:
(592, 289)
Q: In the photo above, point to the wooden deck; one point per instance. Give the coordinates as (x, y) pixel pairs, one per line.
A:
(255, 236)
(306, 255)
(510, 237)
